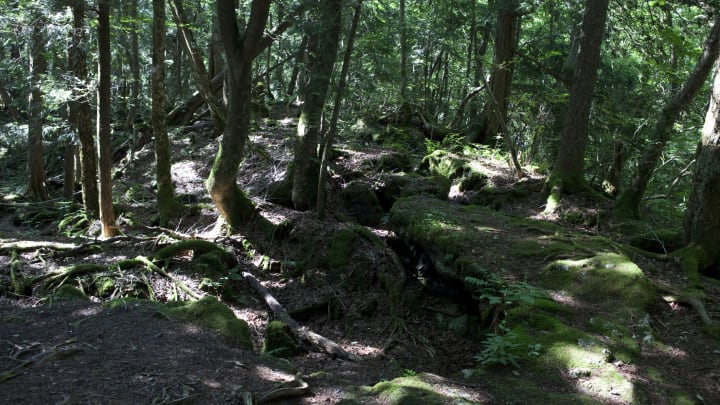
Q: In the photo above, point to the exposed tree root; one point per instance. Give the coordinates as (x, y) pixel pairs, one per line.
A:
(302, 332)
(179, 283)
(198, 246)
(54, 353)
(295, 388)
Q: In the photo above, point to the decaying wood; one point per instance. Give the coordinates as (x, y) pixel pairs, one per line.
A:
(302, 332)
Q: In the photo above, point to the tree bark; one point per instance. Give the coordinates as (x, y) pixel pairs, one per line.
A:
(324, 36)
(628, 203)
(167, 206)
(702, 220)
(135, 81)
(107, 214)
(36, 169)
(568, 171)
(240, 50)
(339, 95)
(204, 83)
(80, 114)
(496, 108)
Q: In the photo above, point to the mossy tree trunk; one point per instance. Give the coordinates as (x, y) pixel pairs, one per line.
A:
(324, 34)
(80, 113)
(702, 220)
(569, 167)
(628, 203)
(107, 214)
(167, 206)
(241, 47)
(36, 169)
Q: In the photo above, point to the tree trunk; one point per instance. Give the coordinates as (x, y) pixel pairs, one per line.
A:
(80, 114)
(107, 214)
(323, 45)
(167, 206)
(403, 54)
(240, 50)
(36, 169)
(204, 83)
(496, 108)
(134, 59)
(339, 95)
(628, 203)
(702, 220)
(568, 172)
(298, 64)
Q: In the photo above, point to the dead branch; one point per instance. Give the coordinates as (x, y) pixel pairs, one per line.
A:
(302, 332)
(54, 353)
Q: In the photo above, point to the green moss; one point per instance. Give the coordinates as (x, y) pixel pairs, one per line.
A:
(279, 340)
(129, 303)
(214, 315)
(211, 264)
(603, 281)
(342, 246)
(69, 292)
(541, 249)
(104, 286)
(409, 390)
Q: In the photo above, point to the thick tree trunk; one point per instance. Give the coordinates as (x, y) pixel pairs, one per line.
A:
(240, 50)
(167, 206)
(324, 36)
(628, 203)
(107, 214)
(494, 115)
(36, 169)
(702, 220)
(569, 169)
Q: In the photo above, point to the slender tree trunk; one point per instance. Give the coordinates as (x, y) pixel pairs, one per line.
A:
(628, 203)
(204, 83)
(496, 108)
(107, 214)
(36, 169)
(702, 220)
(339, 95)
(80, 115)
(569, 169)
(167, 206)
(323, 46)
(134, 59)
(240, 50)
(403, 53)
(300, 55)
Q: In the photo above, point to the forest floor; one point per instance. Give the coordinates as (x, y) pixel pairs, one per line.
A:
(55, 350)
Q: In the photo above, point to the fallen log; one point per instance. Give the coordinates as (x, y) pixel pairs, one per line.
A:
(300, 331)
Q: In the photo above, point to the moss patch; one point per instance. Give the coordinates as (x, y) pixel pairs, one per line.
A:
(214, 315)
(279, 341)
(69, 292)
(607, 281)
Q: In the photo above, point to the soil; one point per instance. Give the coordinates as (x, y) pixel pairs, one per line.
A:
(75, 351)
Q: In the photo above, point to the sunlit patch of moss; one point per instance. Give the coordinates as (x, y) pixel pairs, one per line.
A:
(214, 315)
(603, 281)
(279, 341)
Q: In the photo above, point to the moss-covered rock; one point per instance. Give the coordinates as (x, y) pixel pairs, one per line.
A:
(661, 241)
(398, 185)
(279, 340)
(212, 314)
(362, 204)
(604, 281)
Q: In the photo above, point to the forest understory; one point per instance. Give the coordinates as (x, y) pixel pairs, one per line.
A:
(86, 320)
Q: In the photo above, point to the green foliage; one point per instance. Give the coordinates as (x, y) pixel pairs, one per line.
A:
(499, 350)
(497, 291)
